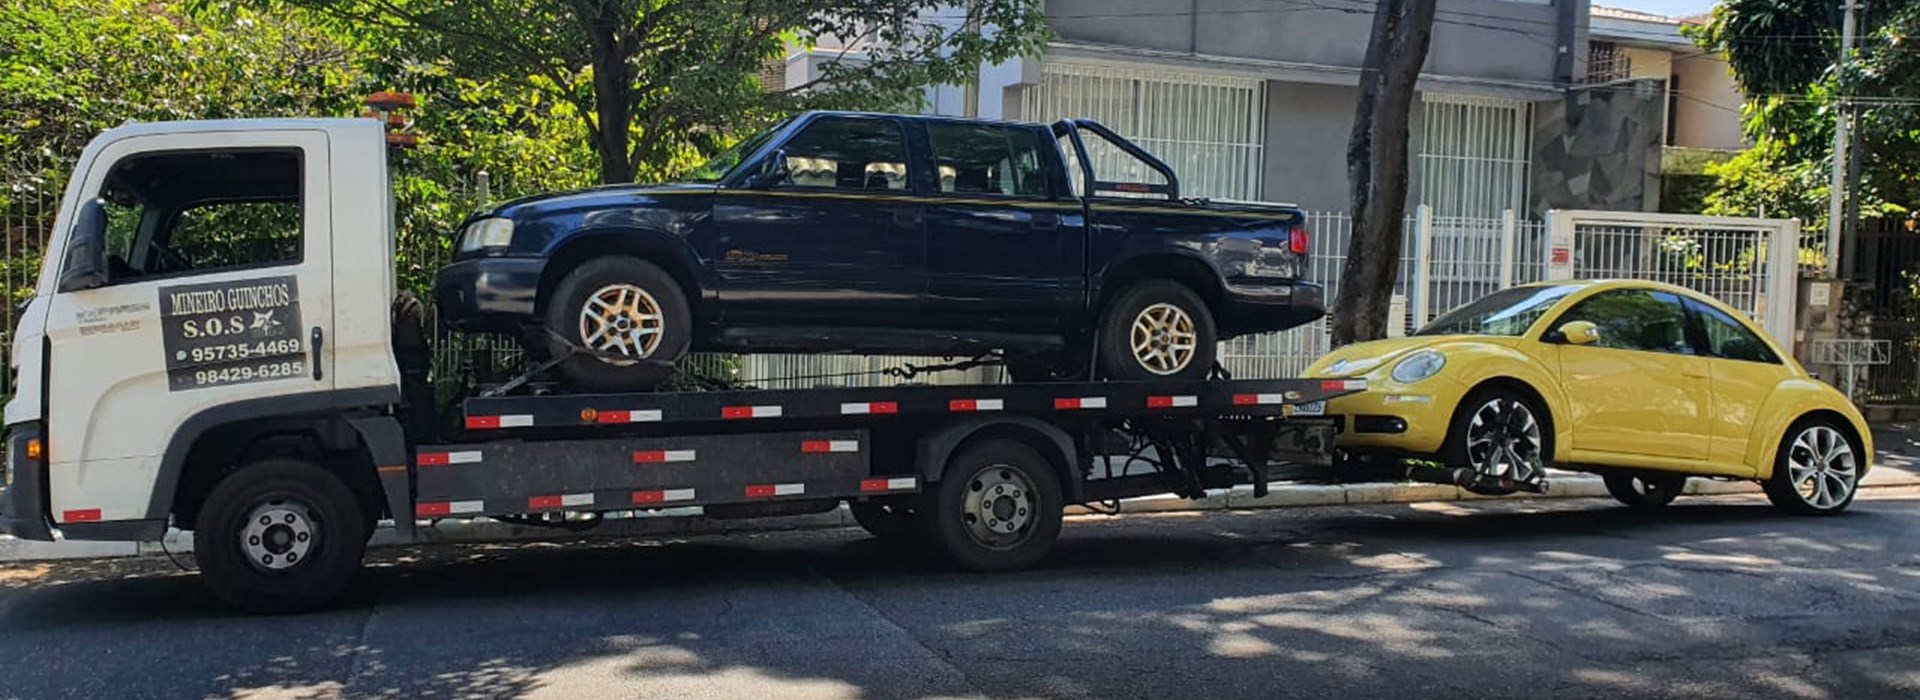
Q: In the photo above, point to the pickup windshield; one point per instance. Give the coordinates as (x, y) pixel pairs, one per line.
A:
(725, 161)
(1508, 312)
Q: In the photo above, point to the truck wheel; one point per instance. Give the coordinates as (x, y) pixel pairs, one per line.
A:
(1157, 330)
(997, 507)
(629, 311)
(1817, 470)
(893, 522)
(1645, 490)
(279, 536)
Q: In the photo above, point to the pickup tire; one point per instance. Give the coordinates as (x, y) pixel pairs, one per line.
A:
(279, 535)
(997, 506)
(1157, 329)
(628, 311)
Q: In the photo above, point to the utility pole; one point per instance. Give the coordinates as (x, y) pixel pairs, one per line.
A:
(1837, 185)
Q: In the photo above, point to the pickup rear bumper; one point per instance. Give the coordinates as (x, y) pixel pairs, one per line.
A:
(488, 294)
(23, 488)
(1262, 306)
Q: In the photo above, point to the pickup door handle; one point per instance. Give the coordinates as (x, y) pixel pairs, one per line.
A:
(313, 350)
(909, 216)
(1044, 221)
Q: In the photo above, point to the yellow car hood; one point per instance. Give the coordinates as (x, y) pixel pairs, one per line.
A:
(1360, 359)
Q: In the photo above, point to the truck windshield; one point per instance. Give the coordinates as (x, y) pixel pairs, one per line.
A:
(1508, 312)
(724, 162)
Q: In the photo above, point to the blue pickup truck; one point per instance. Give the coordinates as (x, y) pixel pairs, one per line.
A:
(1065, 246)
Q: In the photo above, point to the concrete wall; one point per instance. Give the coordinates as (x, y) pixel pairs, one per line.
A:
(1503, 40)
(1708, 112)
(1306, 148)
(1599, 148)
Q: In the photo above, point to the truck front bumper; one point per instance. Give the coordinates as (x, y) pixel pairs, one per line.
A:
(488, 294)
(23, 487)
(1254, 305)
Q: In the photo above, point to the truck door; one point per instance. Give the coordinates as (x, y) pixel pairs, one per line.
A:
(217, 291)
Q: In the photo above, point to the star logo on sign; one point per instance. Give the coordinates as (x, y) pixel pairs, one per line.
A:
(264, 322)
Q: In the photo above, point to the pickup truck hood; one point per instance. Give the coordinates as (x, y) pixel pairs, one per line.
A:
(591, 197)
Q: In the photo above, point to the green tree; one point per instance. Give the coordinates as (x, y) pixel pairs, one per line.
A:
(657, 84)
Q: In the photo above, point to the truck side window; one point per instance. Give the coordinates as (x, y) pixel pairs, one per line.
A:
(171, 212)
(848, 154)
(983, 159)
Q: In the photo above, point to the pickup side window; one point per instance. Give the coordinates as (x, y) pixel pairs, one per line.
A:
(200, 211)
(848, 154)
(987, 159)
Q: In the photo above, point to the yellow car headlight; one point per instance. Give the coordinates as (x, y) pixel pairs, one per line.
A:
(1419, 365)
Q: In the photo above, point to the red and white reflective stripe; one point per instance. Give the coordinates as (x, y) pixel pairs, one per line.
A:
(818, 446)
(81, 515)
(441, 459)
(658, 456)
(646, 416)
(976, 405)
(866, 408)
(1258, 399)
(429, 510)
(1172, 401)
(1075, 404)
(893, 484)
(1343, 385)
(662, 496)
(731, 412)
(518, 420)
(766, 490)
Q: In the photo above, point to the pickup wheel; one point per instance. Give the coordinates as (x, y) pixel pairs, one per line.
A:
(997, 507)
(279, 536)
(630, 313)
(1157, 330)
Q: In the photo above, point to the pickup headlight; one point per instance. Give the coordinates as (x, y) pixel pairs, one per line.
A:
(1420, 365)
(486, 233)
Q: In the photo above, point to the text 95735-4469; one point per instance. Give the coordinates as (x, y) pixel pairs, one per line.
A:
(232, 332)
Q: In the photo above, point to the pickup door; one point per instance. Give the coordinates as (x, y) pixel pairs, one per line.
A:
(1005, 239)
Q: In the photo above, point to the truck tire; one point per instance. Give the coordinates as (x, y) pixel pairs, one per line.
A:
(280, 535)
(621, 307)
(1158, 329)
(892, 521)
(997, 507)
(1645, 489)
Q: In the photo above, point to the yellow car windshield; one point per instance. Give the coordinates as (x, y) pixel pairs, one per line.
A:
(1508, 312)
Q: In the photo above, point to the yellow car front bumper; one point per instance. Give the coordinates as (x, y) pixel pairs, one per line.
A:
(1393, 417)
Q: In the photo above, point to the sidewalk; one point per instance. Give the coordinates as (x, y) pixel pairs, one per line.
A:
(1897, 463)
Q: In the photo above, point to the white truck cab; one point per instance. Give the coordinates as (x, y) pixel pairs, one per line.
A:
(200, 276)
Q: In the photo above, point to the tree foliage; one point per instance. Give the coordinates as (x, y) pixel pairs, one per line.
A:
(657, 84)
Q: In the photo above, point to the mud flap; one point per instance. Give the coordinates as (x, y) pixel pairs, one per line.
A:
(387, 444)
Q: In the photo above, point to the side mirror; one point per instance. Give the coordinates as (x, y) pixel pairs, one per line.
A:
(773, 171)
(1579, 332)
(86, 264)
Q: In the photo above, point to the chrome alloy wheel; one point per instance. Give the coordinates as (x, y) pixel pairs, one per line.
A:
(1163, 339)
(1822, 467)
(622, 319)
(1503, 441)
(999, 507)
(278, 535)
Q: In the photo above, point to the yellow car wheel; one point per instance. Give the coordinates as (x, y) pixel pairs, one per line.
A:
(1817, 470)
(1503, 436)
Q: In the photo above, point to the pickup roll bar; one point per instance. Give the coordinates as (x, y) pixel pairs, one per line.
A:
(1072, 127)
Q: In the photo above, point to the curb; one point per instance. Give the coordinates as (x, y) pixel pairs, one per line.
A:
(687, 522)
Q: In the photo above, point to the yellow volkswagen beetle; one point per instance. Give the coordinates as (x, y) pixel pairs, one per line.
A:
(1641, 382)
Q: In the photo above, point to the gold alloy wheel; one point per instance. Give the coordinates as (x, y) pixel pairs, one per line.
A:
(1163, 339)
(622, 319)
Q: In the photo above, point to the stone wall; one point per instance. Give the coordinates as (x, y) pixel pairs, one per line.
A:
(1598, 147)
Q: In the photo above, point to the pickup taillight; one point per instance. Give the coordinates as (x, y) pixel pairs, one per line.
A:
(1297, 238)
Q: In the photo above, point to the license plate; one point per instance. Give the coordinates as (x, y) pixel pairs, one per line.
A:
(1311, 408)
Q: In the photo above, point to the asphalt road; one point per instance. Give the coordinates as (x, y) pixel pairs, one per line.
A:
(1572, 598)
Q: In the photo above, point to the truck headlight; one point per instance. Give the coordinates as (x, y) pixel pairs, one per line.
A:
(486, 233)
(1420, 365)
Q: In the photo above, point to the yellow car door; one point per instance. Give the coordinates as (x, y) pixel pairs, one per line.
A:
(1637, 392)
(1745, 372)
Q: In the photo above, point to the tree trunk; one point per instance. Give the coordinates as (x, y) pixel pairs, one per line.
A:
(1377, 167)
(612, 95)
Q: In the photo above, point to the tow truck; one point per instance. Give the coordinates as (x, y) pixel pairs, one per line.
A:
(213, 345)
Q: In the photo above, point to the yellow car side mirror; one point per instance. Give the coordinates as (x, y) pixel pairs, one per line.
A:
(1579, 332)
